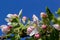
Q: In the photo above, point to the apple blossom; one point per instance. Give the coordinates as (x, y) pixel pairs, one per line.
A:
(9, 15)
(15, 15)
(33, 31)
(56, 26)
(8, 19)
(5, 28)
(12, 15)
(29, 29)
(35, 18)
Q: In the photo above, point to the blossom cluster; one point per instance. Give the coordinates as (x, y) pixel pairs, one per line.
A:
(34, 27)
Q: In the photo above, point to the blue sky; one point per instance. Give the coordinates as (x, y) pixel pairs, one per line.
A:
(29, 7)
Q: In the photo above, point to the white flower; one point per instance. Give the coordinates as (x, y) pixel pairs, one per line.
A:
(8, 19)
(35, 31)
(5, 28)
(9, 15)
(12, 15)
(31, 31)
(56, 26)
(35, 18)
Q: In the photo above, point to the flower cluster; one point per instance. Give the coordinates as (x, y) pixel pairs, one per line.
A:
(35, 28)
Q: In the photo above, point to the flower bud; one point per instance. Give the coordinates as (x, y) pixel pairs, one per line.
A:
(15, 15)
(37, 35)
(24, 19)
(43, 15)
(44, 26)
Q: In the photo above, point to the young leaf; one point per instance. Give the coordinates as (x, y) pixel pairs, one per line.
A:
(20, 13)
(58, 11)
(50, 15)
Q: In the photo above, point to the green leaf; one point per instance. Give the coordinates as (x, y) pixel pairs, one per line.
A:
(54, 20)
(54, 34)
(58, 19)
(58, 11)
(49, 13)
(40, 39)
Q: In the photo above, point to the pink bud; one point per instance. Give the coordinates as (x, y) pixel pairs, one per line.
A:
(15, 15)
(29, 30)
(43, 15)
(44, 26)
(24, 18)
(37, 35)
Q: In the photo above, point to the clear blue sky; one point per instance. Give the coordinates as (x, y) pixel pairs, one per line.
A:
(29, 7)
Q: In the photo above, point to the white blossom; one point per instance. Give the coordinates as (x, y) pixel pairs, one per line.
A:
(56, 26)
(32, 30)
(35, 31)
(8, 19)
(9, 15)
(35, 18)
(4, 28)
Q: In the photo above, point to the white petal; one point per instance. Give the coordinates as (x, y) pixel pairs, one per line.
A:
(7, 19)
(3, 26)
(35, 18)
(5, 29)
(56, 26)
(35, 31)
(9, 15)
(9, 23)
